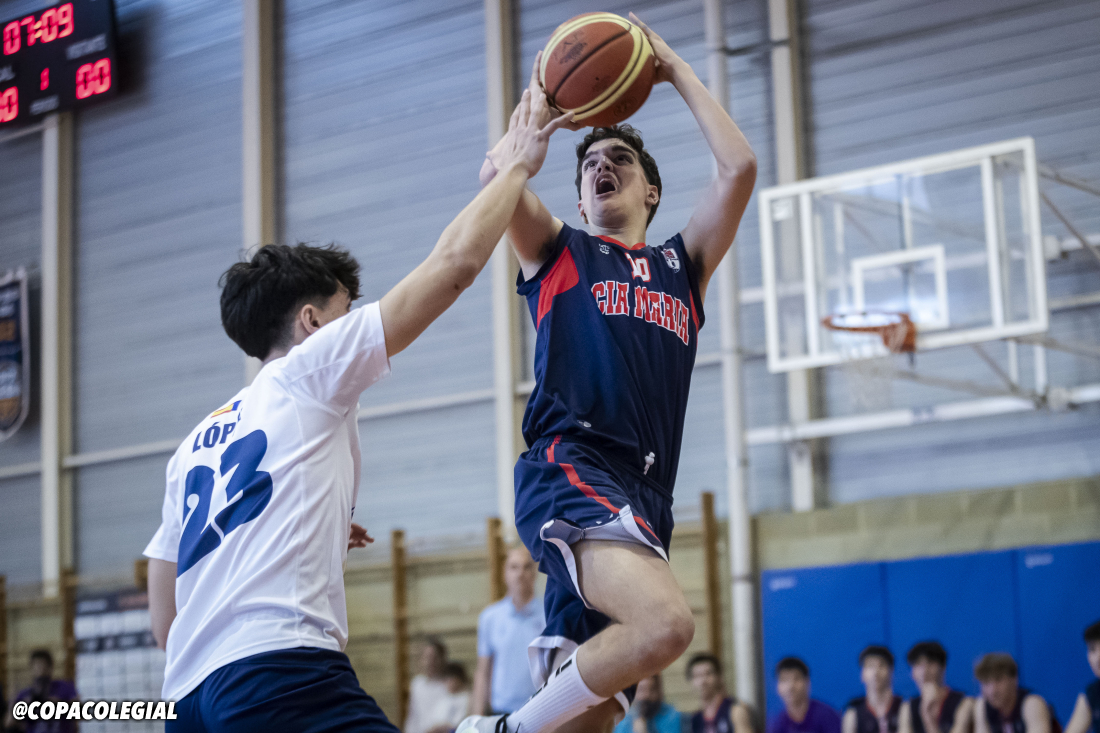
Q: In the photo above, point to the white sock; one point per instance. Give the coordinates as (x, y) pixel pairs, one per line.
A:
(562, 698)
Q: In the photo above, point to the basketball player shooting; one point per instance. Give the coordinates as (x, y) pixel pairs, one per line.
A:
(617, 326)
(246, 584)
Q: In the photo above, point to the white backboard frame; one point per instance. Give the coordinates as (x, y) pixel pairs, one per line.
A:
(928, 337)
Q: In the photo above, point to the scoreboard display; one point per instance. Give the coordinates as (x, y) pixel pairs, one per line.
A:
(57, 59)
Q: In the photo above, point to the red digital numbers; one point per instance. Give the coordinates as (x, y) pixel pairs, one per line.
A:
(44, 80)
(93, 78)
(9, 104)
(52, 24)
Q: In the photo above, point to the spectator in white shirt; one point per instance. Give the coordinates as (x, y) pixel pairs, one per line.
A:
(428, 688)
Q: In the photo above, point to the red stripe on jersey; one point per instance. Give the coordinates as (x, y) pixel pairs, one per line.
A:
(562, 276)
(694, 315)
(612, 240)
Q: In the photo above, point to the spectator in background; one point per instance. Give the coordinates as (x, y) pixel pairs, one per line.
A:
(502, 682)
(936, 708)
(649, 712)
(428, 689)
(802, 714)
(453, 705)
(43, 687)
(1004, 706)
(720, 712)
(877, 711)
(1086, 714)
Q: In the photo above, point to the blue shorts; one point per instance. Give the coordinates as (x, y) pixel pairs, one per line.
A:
(567, 492)
(305, 690)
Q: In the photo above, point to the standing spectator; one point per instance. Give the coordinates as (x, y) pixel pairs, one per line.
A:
(802, 715)
(502, 682)
(1086, 714)
(720, 713)
(1004, 706)
(936, 708)
(877, 711)
(428, 689)
(43, 688)
(649, 712)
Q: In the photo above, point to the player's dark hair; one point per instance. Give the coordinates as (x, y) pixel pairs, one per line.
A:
(792, 663)
(995, 666)
(261, 296)
(633, 138)
(875, 650)
(703, 658)
(42, 654)
(933, 651)
(1092, 633)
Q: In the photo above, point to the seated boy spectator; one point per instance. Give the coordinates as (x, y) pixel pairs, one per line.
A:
(1086, 714)
(1004, 706)
(877, 711)
(452, 706)
(427, 688)
(936, 708)
(802, 715)
(720, 713)
(650, 713)
(43, 687)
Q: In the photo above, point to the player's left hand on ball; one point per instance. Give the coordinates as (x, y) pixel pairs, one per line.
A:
(529, 131)
(535, 85)
(668, 62)
(359, 537)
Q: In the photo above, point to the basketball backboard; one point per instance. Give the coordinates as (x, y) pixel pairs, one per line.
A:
(953, 241)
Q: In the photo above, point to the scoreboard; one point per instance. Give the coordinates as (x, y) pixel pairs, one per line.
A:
(57, 59)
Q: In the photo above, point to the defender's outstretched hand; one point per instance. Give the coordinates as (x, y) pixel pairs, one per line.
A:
(669, 64)
(533, 121)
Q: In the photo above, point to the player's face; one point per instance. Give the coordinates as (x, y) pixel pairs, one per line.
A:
(793, 687)
(876, 673)
(706, 680)
(1094, 657)
(1000, 692)
(614, 189)
(926, 671)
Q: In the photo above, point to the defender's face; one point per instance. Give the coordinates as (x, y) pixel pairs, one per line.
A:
(338, 305)
(925, 672)
(1094, 657)
(1000, 692)
(705, 680)
(793, 687)
(876, 673)
(613, 185)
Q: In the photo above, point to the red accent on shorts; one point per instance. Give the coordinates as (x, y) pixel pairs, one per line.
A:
(562, 276)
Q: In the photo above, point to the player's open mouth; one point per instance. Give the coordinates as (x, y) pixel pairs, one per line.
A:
(604, 185)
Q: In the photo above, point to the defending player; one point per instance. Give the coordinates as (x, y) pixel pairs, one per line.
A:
(247, 566)
(617, 326)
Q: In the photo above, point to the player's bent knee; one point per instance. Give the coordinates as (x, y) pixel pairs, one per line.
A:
(669, 636)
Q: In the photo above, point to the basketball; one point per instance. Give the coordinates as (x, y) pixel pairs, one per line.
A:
(600, 66)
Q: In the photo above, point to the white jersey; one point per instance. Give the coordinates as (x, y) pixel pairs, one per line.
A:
(258, 507)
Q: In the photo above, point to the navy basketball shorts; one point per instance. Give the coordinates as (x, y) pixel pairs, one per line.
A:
(567, 492)
(305, 690)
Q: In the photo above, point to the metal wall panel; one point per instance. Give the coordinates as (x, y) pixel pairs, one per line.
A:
(158, 221)
(21, 246)
(896, 79)
(20, 530)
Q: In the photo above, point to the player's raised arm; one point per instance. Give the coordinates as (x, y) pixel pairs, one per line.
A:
(533, 228)
(709, 233)
(469, 240)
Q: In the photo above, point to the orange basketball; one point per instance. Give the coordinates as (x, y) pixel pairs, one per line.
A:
(600, 66)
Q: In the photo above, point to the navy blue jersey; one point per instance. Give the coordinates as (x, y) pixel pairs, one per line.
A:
(617, 332)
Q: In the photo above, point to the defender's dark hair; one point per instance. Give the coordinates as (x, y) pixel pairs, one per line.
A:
(703, 658)
(1092, 633)
(632, 138)
(994, 666)
(260, 297)
(792, 663)
(933, 651)
(42, 654)
(875, 650)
